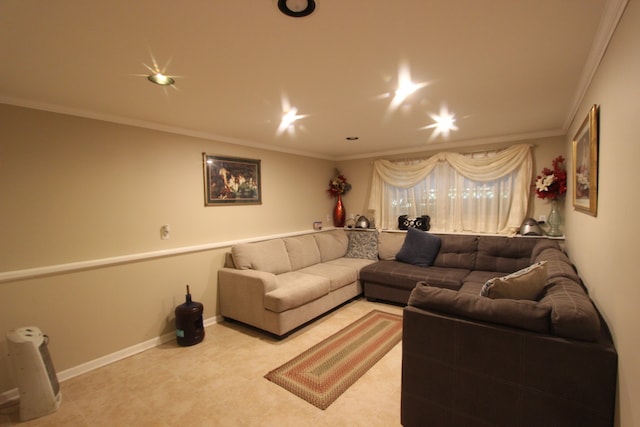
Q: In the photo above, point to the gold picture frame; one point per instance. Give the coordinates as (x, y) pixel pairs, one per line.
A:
(585, 164)
(231, 181)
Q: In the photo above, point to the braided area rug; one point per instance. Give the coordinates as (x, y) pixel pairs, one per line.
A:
(322, 373)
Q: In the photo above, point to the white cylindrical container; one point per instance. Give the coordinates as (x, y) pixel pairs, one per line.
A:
(33, 371)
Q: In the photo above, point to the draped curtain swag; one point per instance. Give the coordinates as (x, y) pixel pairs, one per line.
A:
(515, 159)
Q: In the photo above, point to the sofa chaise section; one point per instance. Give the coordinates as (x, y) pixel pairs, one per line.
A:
(463, 365)
(279, 284)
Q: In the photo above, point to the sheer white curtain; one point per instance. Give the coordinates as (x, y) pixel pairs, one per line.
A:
(485, 192)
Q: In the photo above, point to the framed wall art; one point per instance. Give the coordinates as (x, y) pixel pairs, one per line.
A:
(231, 181)
(585, 164)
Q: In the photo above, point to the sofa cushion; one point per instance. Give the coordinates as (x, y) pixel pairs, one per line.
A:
(527, 283)
(363, 244)
(389, 244)
(558, 264)
(522, 314)
(332, 244)
(295, 289)
(457, 251)
(541, 245)
(480, 277)
(270, 256)
(354, 263)
(303, 251)
(504, 254)
(338, 276)
(419, 248)
(573, 315)
(405, 276)
(471, 287)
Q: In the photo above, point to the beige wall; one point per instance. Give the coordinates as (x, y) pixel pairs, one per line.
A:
(359, 173)
(605, 248)
(74, 190)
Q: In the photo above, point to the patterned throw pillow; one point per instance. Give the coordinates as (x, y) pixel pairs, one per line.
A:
(527, 283)
(363, 244)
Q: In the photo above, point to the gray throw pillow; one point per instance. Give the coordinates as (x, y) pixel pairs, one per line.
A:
(363, 244)
(419, 248)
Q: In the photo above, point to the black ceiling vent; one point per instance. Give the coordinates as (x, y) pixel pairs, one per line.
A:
(297, 8)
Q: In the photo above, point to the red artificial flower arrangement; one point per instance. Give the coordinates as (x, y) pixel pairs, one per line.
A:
(338, 185)
(552, 183)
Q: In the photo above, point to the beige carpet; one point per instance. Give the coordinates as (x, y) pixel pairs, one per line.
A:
(322, 373)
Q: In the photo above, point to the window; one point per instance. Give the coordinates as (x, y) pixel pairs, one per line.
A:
(484, 192)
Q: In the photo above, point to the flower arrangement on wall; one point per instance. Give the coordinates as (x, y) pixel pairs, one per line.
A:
(338, 184)
(552, 183)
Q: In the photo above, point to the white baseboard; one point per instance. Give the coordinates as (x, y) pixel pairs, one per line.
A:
(14, 394)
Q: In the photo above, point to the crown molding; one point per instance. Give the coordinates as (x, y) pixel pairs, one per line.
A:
(614, 9)
(467, 143)
(153, 126)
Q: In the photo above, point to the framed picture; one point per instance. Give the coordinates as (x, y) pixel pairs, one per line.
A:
(585, 165)
(231, 181)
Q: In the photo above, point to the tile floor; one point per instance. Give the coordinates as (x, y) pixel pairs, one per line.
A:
(220, 382)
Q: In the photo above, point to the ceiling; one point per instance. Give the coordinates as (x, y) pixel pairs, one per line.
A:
(507, 70)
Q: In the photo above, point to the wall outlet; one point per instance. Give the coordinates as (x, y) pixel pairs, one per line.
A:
(542, 218)
(165, 232)
(328, 217)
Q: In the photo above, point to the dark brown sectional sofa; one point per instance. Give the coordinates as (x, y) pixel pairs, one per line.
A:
(469, 360)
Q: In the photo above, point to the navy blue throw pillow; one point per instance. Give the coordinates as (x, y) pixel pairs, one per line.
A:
(419, 248)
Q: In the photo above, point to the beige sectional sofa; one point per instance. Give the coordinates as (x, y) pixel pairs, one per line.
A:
(279, 284)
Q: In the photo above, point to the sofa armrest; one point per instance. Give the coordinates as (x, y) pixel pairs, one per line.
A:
(260, 281)
(522, 314)
(242, 292)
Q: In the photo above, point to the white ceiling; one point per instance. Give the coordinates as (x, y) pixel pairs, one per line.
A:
(507, 69)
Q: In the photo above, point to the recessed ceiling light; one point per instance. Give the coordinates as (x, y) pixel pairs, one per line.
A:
(406, 87)
(161, 79)
(445, 122)
(288, 120)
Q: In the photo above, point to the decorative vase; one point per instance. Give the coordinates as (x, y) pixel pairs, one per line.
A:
(554, 220)
(339, 214)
